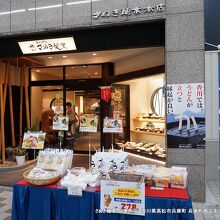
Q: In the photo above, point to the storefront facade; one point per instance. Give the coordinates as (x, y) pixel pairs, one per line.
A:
(184, 44)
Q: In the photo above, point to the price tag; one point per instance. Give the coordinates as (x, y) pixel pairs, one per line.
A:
(123, 197)
(74, 191)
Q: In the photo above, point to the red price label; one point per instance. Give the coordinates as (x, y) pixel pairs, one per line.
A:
(128, 206)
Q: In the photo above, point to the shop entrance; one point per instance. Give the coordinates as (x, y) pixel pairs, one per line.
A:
(132, 86)
(85, 102)
(103, 57)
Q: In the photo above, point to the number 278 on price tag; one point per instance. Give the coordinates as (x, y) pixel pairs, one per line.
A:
(128, 206)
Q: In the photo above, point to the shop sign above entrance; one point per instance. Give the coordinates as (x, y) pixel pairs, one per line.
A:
(148, 9)
(48, 45)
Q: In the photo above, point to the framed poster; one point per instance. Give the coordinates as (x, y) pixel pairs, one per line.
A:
(185, 115)
(122, 197)
(88, 123)
(111, 125)
(33, 140)
(60, 123)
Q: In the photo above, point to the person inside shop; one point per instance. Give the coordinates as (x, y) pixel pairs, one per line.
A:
(73, 119)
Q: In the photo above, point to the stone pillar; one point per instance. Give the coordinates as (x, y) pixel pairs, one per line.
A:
(184, 54)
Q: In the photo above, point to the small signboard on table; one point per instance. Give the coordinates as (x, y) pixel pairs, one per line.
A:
(60, 123)
(123, 197)
(88, 123)
(111, 125)
(33, 140)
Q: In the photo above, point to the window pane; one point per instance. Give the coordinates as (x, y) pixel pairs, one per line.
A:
(53, 73)
(84, 72)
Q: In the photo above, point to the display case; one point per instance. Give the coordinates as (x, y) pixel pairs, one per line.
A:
(147, 121)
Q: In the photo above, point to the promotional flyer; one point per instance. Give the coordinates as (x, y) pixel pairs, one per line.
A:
(123, 197)
(33, 140)
(60, 123)
(185, 115)
(111, 125)
(88, 123)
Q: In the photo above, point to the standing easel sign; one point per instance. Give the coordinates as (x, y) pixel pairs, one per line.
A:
(60, 123)
(111, 125)
(33, 140)
(88, 123)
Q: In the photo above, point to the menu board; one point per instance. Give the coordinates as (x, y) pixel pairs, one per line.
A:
(33, 140)
(123, 197)
(111, 125)
(185, 115)
(88, 123)
(60, 123)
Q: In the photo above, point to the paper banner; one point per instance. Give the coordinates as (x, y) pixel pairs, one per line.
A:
(106, 93)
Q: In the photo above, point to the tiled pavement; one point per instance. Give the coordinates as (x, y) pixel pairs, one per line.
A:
(206, 211)
(5, 203)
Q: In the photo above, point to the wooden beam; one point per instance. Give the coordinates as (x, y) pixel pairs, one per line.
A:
(1, 74)
(21, 104)
(2, 120)
(7, 70)
(11, 111)
(26, 96)
(22, 60)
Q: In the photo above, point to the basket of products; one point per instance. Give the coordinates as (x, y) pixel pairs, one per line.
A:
(41, 177)
(125, 177)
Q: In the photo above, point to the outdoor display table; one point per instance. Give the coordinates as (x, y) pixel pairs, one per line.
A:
(44, 203)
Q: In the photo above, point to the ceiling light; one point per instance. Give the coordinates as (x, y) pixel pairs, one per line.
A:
(64, 56)
(95, 73)
(50, 57)
(72, 67)
(94, 54)
(37, 71)
(84, 66)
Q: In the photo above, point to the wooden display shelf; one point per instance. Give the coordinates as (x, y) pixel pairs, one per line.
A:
(148, 133)
(150, 120)
(144, 155)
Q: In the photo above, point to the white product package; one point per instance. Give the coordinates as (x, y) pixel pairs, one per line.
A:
(80, 179)
(104, 162)
(55, 159)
